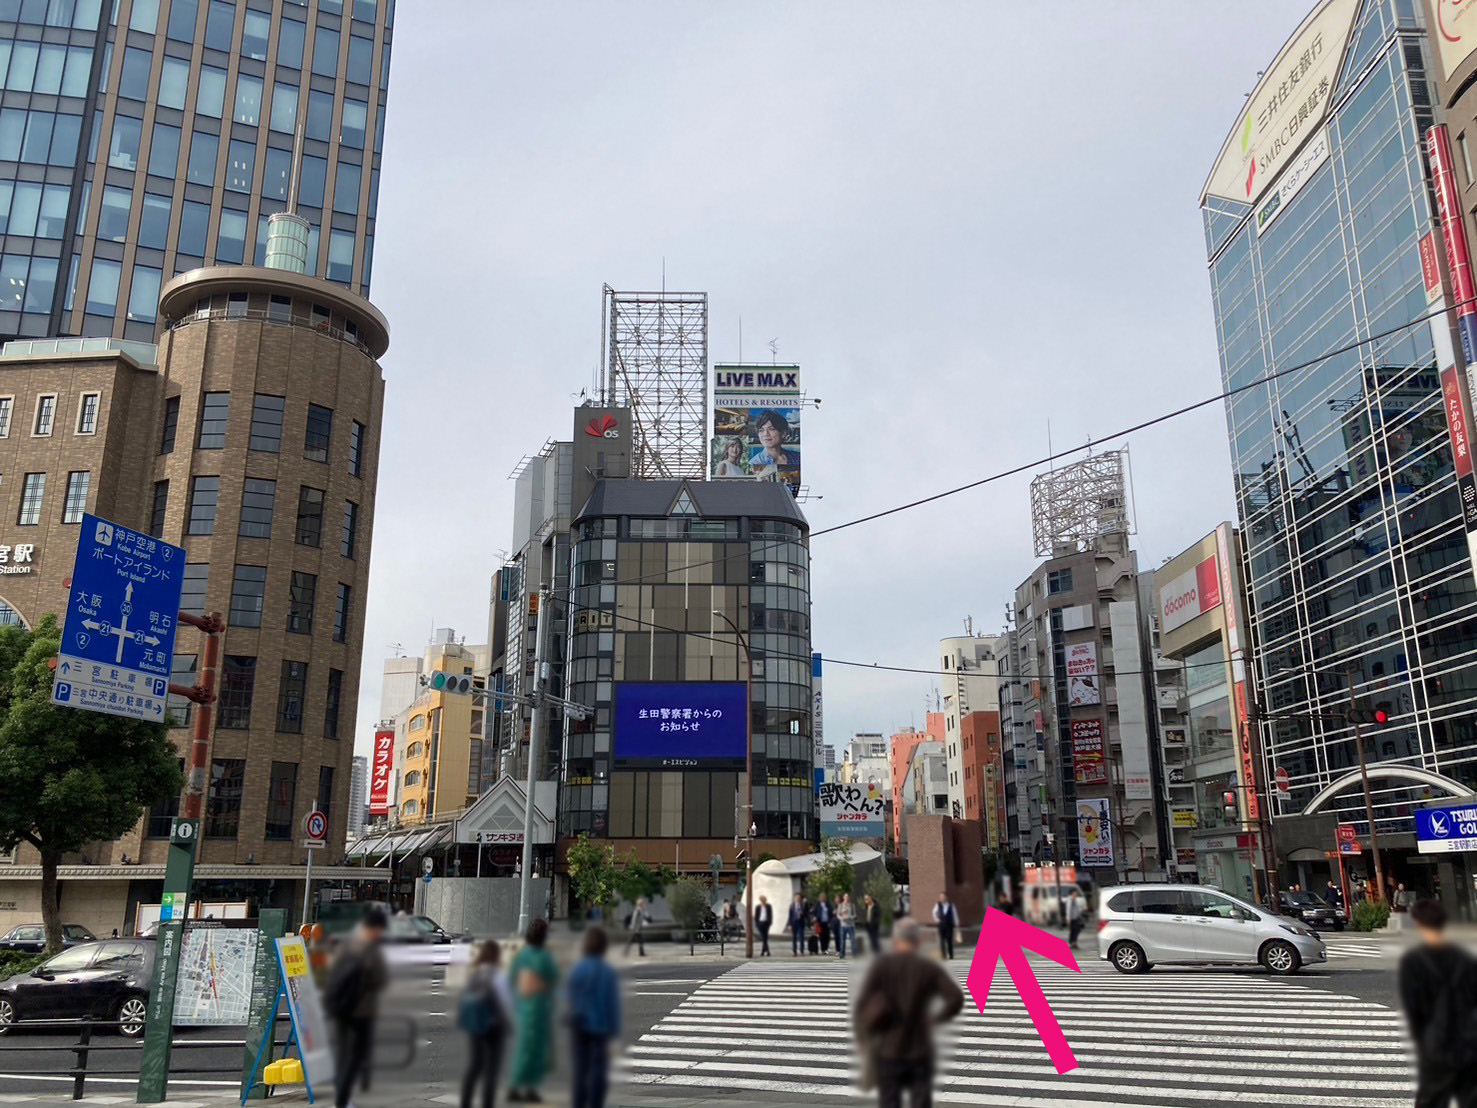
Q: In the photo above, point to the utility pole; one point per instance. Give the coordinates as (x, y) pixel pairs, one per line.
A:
(743, 641)
(525, 883)
(1374, 841)
(1264, 812)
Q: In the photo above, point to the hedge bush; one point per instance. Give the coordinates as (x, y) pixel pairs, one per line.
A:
(13, 962)
(1371, 916)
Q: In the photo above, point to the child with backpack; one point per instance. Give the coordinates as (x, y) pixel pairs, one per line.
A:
(1438, 990)
(485, 1013)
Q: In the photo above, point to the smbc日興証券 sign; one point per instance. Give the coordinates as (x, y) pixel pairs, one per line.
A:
(1446, 830)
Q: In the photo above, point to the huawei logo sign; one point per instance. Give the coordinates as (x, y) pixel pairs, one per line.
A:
(603, 428)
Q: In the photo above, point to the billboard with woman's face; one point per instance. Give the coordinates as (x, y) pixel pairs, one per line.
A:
(756, 423)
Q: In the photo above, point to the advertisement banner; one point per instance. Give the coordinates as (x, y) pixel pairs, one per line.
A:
(1082, 675)
(306, 1013)
(1184, 817)
(817, 717)
(1088, 767)
(1185, 857)
(1454, 33)
(1287, 105)
(1444, 830)
(1313, 157)
(851, 811)
(756, 423)
(676, 726)
(1454, 237)
(1191, 594)
(1095, 832)
(1174, 736)
(381, 770)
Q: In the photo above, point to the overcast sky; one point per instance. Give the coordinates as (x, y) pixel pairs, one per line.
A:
(960, 219)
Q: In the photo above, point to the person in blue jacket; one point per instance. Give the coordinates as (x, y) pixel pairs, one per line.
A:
(594, 996)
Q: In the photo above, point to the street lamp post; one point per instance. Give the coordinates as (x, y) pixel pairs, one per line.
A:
(743, 641)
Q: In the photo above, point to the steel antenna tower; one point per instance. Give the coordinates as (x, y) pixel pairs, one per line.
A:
(656, 363)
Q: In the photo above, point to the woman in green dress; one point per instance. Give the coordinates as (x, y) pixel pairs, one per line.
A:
(533, 977)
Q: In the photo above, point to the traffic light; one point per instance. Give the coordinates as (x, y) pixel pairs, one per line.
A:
(450, 683)
(1361, 714)
(1229, 800)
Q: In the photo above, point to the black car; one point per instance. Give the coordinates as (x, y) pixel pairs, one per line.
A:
(30, 938)
(419, 929)
(106, 980)
(1312, 909)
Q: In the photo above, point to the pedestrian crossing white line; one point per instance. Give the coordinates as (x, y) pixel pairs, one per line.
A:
(1161, 1039)
(1354, 948)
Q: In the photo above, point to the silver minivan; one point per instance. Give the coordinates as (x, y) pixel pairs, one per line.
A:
(1141, 926)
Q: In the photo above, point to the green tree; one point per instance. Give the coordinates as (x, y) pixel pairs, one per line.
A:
(897, 868)
(688, 899)
(592, 872)
(636, 879)
(69, 777)
(879, 887)
(835, 875)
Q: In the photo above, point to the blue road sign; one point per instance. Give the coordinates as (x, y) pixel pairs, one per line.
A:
(118, 639)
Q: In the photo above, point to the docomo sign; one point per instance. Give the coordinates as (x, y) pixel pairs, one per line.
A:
(381, 768)
(1191, 594)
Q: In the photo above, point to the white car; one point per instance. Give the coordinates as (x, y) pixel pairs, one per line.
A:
(1141, 926)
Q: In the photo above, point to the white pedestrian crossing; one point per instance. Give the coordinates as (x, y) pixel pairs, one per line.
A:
(1359, 948)
(1160, 1039)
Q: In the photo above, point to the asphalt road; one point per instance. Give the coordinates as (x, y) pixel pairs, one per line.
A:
(420, 1006)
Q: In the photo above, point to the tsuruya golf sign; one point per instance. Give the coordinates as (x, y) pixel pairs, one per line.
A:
(1446, 830)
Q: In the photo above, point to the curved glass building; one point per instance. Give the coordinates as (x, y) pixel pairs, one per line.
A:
(1356, 561)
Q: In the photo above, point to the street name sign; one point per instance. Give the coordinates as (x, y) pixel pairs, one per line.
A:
(1446, 830)
(118, 638)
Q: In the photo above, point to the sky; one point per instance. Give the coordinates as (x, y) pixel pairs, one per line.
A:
(975, 226)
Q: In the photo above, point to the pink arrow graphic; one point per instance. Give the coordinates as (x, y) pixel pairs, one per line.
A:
(1006, 938)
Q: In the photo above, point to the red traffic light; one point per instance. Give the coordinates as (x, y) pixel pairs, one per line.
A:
(1381, 716)
(1377, 716)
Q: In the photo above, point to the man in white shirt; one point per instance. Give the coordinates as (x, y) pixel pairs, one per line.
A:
(947, 918)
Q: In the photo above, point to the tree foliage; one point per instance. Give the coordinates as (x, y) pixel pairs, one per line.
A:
(636, 879)
(688, 899)
(592, 872)
(879, 887)
(69, 777)
(835, 875)
(897, 869)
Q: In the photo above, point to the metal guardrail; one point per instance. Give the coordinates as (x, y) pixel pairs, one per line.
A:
(85, 1047)
(262, 315)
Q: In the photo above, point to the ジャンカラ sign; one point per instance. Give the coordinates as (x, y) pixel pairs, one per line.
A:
(851, 811)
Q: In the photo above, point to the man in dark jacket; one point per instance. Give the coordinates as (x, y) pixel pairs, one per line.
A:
(1335, 897)
(763, 921)
(362, 968)
(1438, 990)
(823, 922)
(796, 923)
(903, 998)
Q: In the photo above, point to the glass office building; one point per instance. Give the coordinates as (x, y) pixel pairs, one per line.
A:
(654, 561)
(143, 138)
(1356, 562)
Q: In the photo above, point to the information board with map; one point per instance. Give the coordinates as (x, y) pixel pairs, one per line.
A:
(216, 970)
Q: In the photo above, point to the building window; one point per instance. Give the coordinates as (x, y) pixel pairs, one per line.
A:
(238, 682)
(331, 703)
(162, 816)
(214, 413)
(341, 606)
(181, 672)
(161, 504)
(309, 517)
(1059, 580)
(7, 405)
(325, 789)
(290, 697)
(266, 423)
(247, 592)
(351, 529)
(45, 414)
(356, 449)
(33, 491)
(78, 482)
(320, 431)
(223, 801)
(87, 413)
(204, 493)
(300, 603)
(258, 498)
(193, 584)
(281, 792)
(171, 425)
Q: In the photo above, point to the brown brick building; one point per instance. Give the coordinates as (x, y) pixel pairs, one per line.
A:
(250, 436)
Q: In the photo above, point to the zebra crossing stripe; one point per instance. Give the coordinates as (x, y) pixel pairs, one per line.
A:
(1163, 1040)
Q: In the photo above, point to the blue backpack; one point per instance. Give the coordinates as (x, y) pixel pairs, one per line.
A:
(479, 1012)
